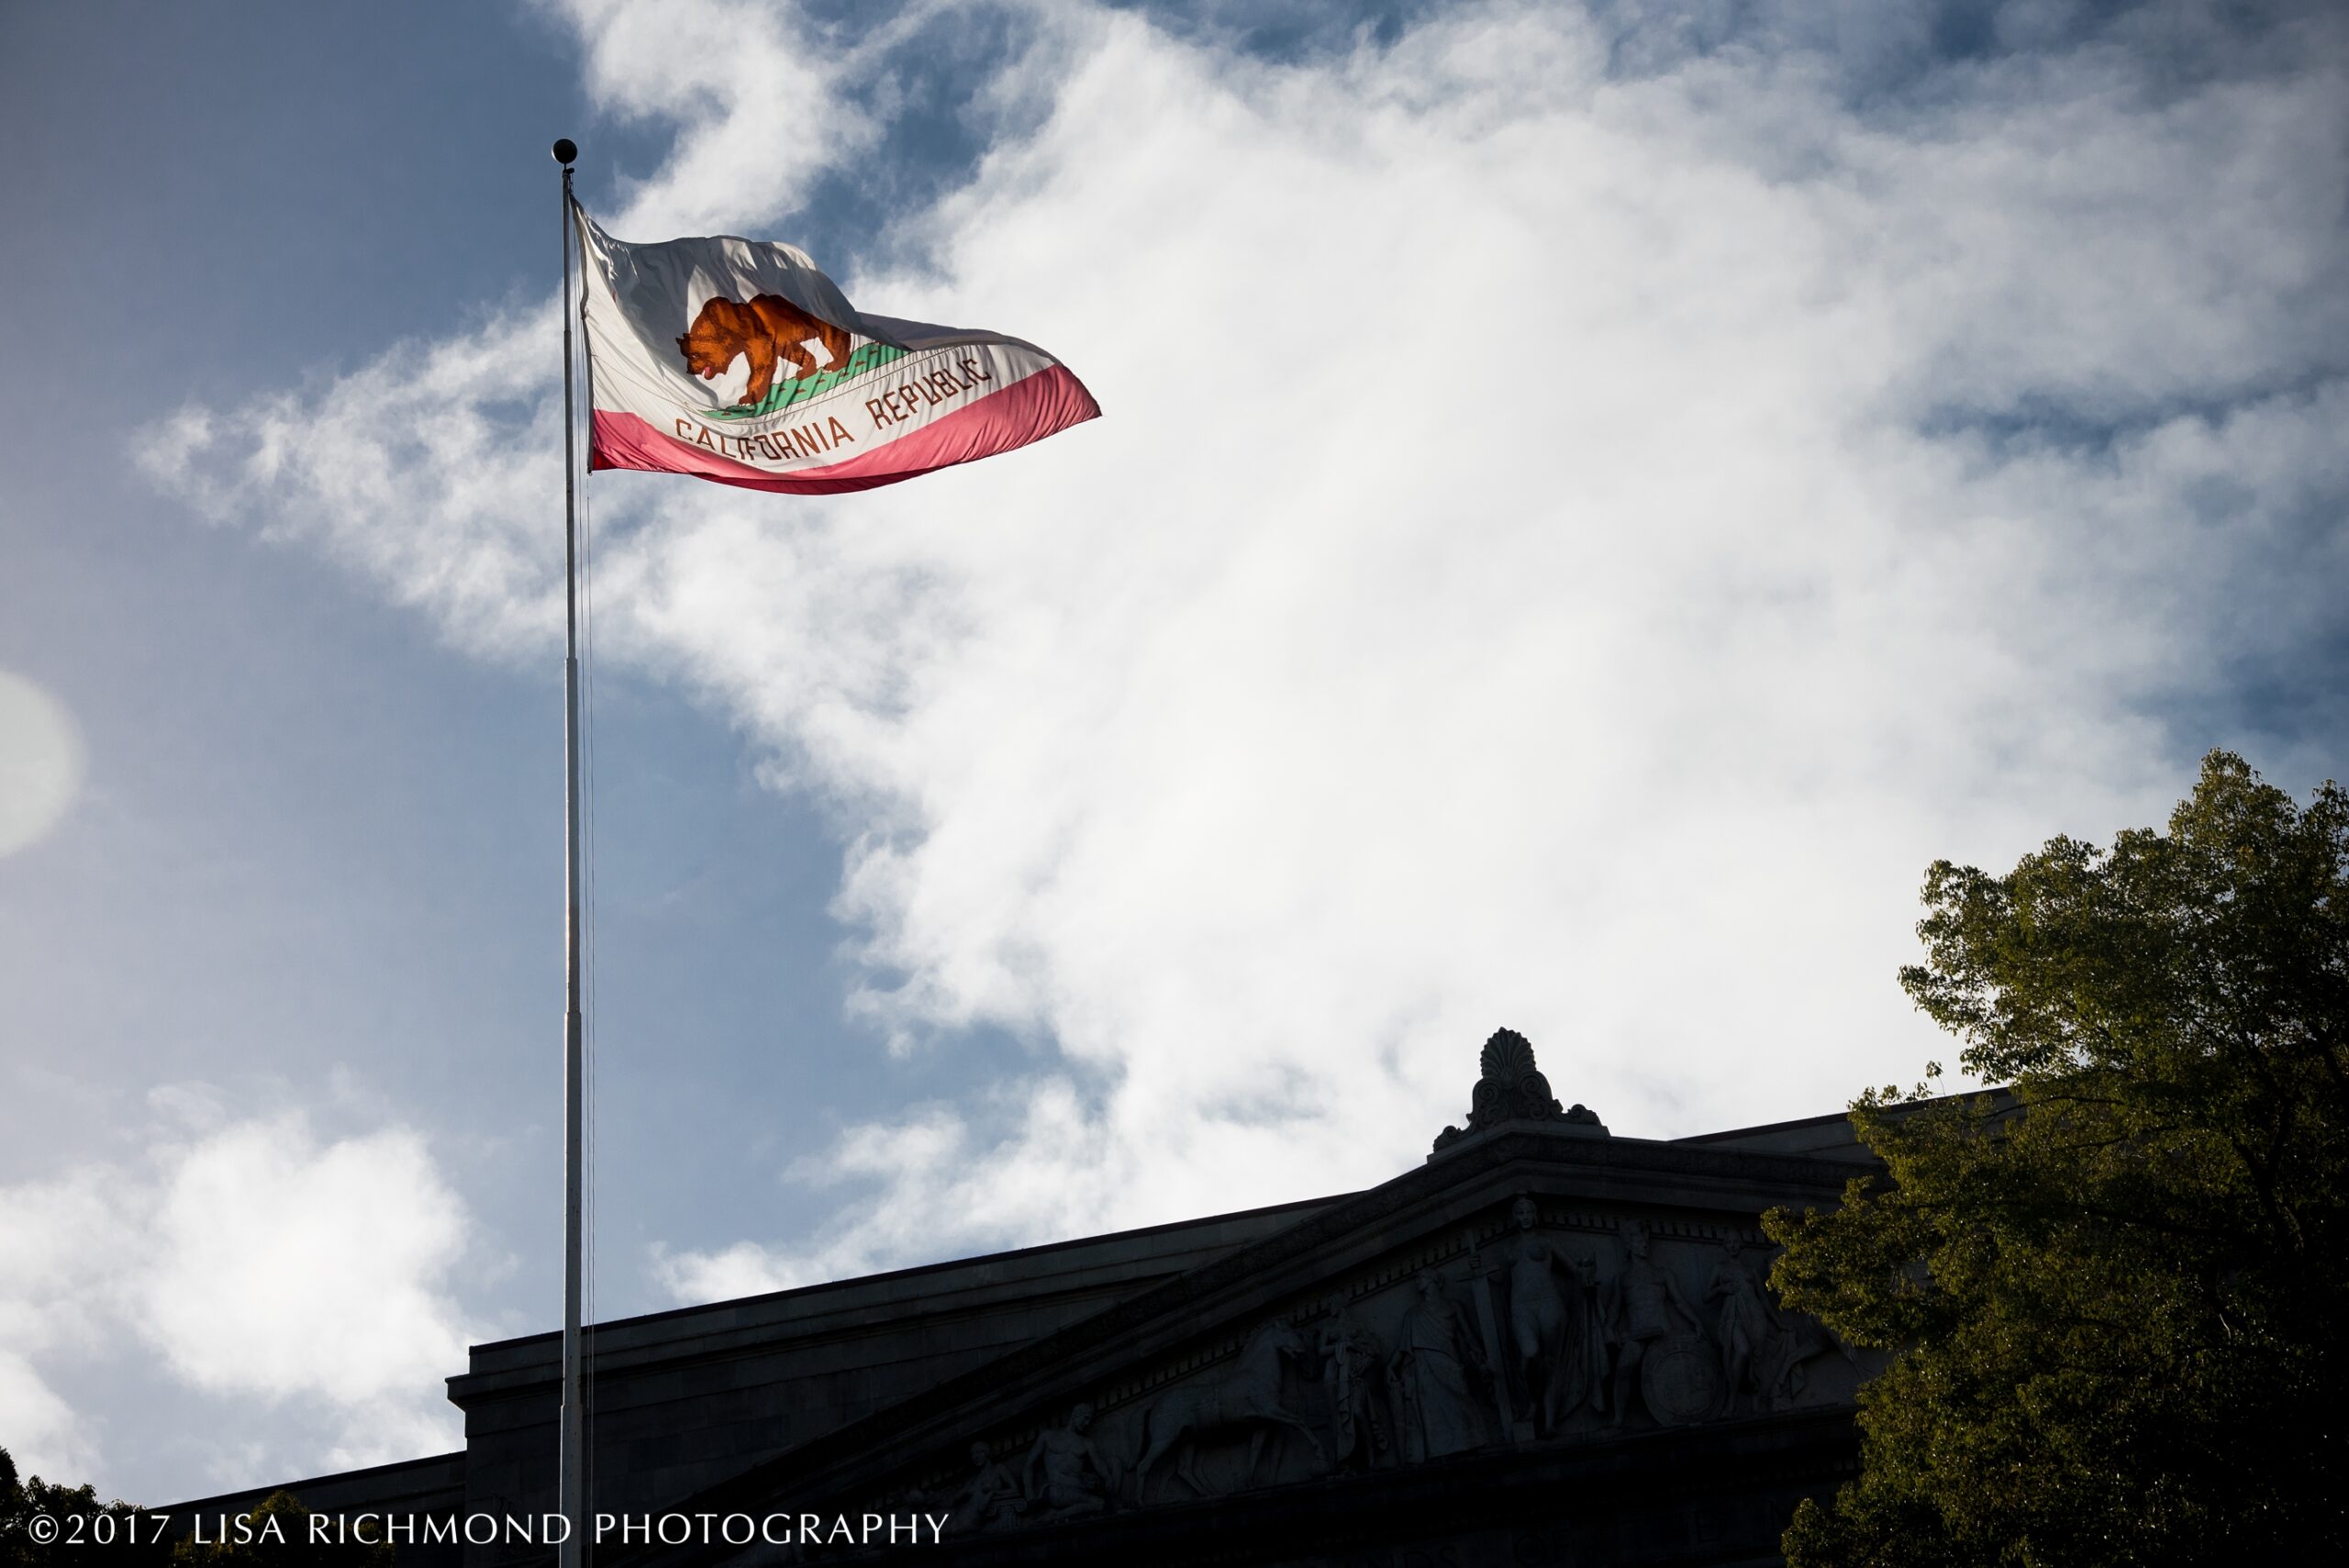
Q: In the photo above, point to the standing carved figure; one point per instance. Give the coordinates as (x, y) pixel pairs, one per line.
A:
(1429, 1366)
(1746, 1325)
(1066, 1470)
(1551, 1326)
(1247, 1398)
(1645, 1308)
(1350, 1368)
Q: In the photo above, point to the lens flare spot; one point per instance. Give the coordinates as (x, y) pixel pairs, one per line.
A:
(41, 762)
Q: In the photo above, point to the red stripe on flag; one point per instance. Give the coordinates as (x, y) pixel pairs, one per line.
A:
(1027, 410)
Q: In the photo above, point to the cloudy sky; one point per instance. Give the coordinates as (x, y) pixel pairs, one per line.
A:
(1592, 500)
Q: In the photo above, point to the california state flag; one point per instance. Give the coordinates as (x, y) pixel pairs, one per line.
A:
(739, 361)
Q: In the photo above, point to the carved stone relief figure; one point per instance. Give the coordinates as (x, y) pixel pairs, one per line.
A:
(1744, 1323)
(1066, 1470)
(993, 1497)
(1248, 1398)
(1360, 1434)
(1551, 1335)
(1658, 1342)
(1780, 1368)
(1433, 1355)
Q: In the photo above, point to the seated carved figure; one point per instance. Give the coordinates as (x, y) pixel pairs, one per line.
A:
(771, 330)
(993, 1497)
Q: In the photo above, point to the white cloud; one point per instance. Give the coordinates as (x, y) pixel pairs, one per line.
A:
(54, 1241)
(457, 441)
(282, 1266)
(1565, 548)
(258, 1262)
(44, 1437)
(750, 90)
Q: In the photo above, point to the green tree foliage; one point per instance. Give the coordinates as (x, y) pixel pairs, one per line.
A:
(2114, 1303)
(22, 1501)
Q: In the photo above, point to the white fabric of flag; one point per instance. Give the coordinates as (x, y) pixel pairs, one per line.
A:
(739, 360)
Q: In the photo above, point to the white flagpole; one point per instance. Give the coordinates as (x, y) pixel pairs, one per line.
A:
(570, 1450)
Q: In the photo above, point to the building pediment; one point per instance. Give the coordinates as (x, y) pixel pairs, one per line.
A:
(1536, 1301)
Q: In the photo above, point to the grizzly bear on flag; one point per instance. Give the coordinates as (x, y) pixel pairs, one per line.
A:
(769, 328)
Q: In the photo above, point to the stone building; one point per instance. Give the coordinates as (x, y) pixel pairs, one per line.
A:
(1545, 1345)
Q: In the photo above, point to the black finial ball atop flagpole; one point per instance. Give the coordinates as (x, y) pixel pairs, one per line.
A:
(566, 152)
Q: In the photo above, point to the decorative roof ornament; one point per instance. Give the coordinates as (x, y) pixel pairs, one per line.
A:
(1511, 1088)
